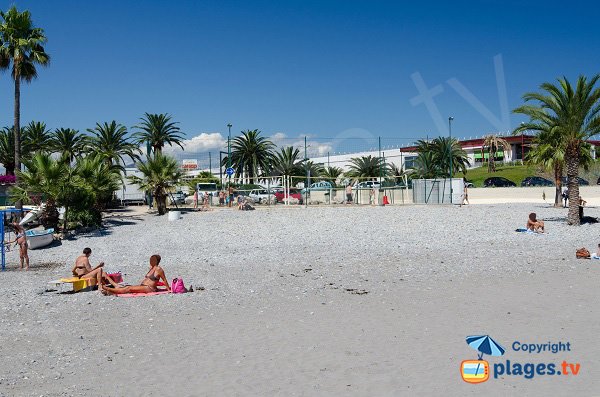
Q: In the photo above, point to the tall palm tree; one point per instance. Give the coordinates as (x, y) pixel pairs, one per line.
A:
(68, 143)
(110, 141)
(367, 167)
(36, 138)
(160, 174)
(287, 162)
(309, 170)
(492, 143)
(98, 179)
(574, 114)
(23, 46)
(251, 154)
(7, 150)
(158, 130)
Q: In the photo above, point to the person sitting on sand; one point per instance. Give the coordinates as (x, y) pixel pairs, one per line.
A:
(148, 284)
(83, 269)
(21, 240)
(534, 224)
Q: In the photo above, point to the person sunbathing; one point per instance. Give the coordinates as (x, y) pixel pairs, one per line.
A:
(148, 284)
(83, 269)
(21, 240)
(534, 224)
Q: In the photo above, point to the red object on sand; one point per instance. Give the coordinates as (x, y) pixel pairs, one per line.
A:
(385, 200)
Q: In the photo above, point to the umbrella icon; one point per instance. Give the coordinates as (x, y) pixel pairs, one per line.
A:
(484, 344)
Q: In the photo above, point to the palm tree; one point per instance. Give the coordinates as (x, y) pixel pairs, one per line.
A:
(161, 174)
(36, 138)
(309, 170)
(110, 141)
(492, 143)
(7, 150)
(332, 174)
(251, 154)
(396, 174)
(287, 162)
(425, 166)
(23, 46)
(367, 167)
(443, 149)
(48, 178)
(68, 143)
(98, 179)
(573, 113)
(158, 130)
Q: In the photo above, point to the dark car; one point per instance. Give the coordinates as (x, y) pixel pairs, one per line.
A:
(598, 182)
(498, 181)
(582, 182)
(536, 181)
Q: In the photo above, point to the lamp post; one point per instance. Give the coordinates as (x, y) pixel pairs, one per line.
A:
(229, 163)
(450, 154)
(522, 144)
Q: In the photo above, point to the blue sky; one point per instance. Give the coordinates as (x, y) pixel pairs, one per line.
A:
(323, 68)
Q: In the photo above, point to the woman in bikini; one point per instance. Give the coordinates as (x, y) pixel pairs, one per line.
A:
(148, 284)
(21, 240)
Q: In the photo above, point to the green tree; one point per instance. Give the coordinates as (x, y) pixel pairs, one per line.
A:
(36, 138)
(158, 130)
(23, 47)
(573, 113)
(251, 154)
(332, 174)
(202, 177)
(160, 174)
(7, 150)
(443, 149)
(425, 166)
(68, 143)
(492, 143)
(111, 143)
(287, 162)
(367, 168)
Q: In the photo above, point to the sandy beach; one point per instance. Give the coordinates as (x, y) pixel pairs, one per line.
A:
(364, 301)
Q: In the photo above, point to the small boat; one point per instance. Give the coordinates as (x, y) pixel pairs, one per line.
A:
(39, 238)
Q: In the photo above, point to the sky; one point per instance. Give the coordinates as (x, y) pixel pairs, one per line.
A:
(331, 70)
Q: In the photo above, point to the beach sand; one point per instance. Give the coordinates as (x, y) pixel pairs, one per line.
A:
(308, 301)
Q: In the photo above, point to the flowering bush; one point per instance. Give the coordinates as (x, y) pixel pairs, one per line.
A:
(7, 179)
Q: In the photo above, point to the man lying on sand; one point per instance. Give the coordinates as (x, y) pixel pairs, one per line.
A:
(148, 284)
(534, 224)
(83, 269)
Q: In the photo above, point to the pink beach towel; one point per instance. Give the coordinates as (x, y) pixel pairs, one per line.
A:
(143, 294)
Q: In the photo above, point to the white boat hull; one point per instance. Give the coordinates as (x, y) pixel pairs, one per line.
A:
(37, 239)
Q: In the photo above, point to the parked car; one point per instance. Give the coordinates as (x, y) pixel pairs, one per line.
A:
(323, 185)
(177, 197)
(367, 185)
(498, 181)
(536, 181)
(582, 182)
(260, 195)
(294, 193)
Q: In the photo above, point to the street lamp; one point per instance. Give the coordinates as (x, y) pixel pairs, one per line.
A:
(522, 143)
(450, 148)
(229, 163)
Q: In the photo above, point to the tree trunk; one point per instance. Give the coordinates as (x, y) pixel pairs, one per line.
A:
(558, 183)
(17, 130)
(66, 220)
(161, 202)
(573, 185)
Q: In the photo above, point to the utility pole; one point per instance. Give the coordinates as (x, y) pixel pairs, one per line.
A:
(450, 154)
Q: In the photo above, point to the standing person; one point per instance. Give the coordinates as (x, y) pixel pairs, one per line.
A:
(565, 196)
(372, 196)
(230, 195)
(21, 240)
(221, 198)
(465, 195)
(205, 201)
(196, 198)
(348, 194)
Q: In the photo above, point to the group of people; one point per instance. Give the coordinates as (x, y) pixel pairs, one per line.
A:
(98, 277)
(205, 198)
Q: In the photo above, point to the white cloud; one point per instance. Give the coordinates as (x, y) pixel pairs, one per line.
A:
(313, 148)
(204, 142)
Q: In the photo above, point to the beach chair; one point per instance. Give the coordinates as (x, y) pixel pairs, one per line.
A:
(77, 283)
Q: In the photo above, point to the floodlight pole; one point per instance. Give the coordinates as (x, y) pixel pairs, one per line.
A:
(450, 154)
(229, 155)
(307, 187)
